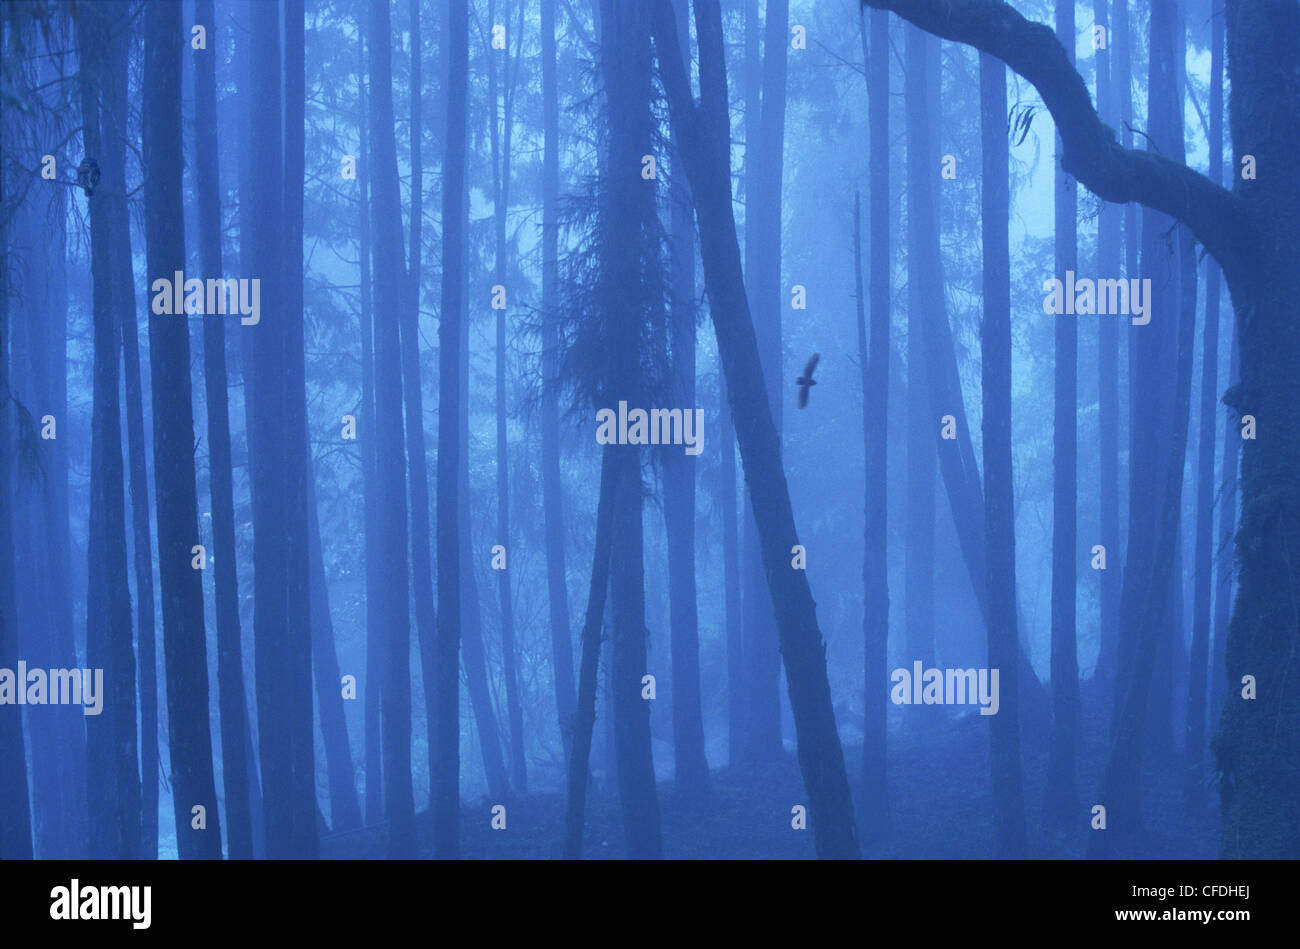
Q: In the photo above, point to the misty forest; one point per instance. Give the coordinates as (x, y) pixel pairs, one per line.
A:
(649, 428)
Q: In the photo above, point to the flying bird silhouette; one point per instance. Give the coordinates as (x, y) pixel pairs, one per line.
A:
(806, 380)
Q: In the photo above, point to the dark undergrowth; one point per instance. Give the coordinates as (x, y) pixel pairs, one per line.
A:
(940, 808)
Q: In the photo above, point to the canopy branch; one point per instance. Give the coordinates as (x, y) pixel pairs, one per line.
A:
(1219, 219)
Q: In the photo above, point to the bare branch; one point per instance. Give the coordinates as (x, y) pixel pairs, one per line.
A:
(1219, 219)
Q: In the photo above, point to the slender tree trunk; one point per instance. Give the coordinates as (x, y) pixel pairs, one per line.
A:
(585, 717)
(1120, 114)
(999, 489)
(731, 577)
(389, 281)
(296, 457)
(370, 483)
(702, 133)
(1171, 654)
(230, 667)
(922, 232)
(754, 602)
(1120, 787)
(500, 137)
(416, 463)
(1061, 804)
(472, 655)
(691, 767)
(15, 812)
(471, 617)
(876, 818)
(1109, 261)
(1159, 436)
(184, 647)
(345, 812)
(114, 168)
(765, 288)
(552, 485)
(1194, 782)
(1225, 565)
(113, 789)
(248, 247)
(446, 802)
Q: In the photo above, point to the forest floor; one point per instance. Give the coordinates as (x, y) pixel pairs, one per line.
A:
(940, 807)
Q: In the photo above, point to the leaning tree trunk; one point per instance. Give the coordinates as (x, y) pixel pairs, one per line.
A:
(345, 812)
(763, 283)
(584, 721)
(703, 131)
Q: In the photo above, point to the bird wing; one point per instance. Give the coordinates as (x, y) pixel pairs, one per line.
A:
(812, 364)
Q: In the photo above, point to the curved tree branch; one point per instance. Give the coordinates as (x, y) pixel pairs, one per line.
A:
(1218, 218)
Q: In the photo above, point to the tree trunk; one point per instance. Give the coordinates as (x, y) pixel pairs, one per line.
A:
(42, 610)
(113, 789)
(1155, 497)
(15, 813)
(585, 717)
(552, 485)
(876, 820)
(1171, 655)
(703, 134)
(1060, 807)
(627, 250)
(922, 420)
(390, 278)
(114, 167)
(736, 696)
(764, 287)
(999, 487)
(446, 748)
(1194, 780)
(230, 666)
(691, 767)
(1224, 561)
(500, 204)
(184, 646)
(417, 471)
(345, 812)
(370, 482)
